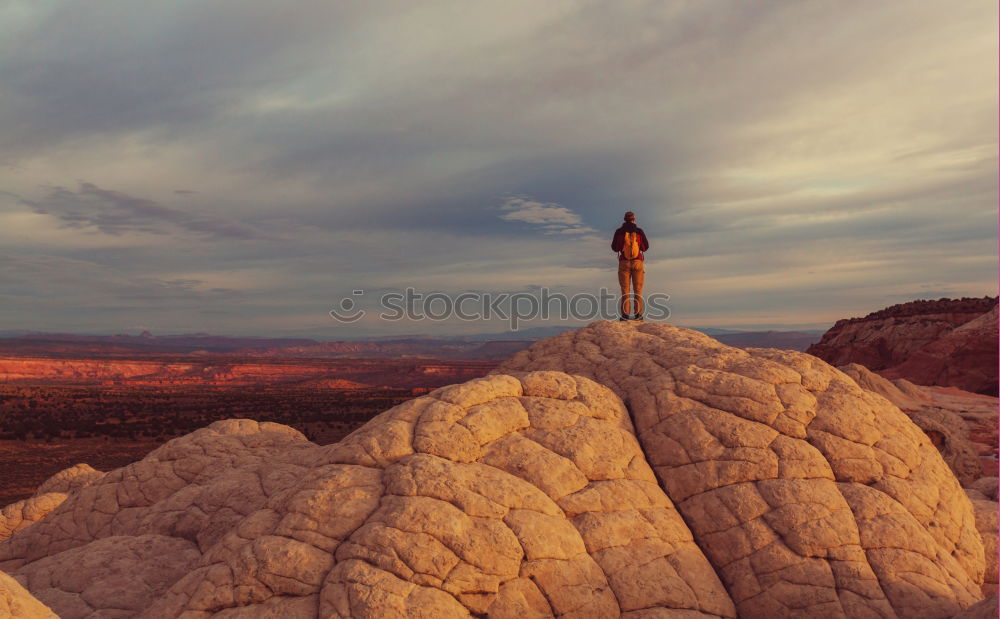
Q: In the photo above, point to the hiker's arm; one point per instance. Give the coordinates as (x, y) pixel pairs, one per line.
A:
(644, 242)
(618, 242)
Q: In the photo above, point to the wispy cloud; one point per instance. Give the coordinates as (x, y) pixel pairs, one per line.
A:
(116, 213)
(552, 218)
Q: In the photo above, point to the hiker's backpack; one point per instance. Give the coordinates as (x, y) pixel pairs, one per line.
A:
(630, 250)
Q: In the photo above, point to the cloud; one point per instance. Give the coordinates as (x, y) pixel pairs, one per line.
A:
(552, 218)
(116, 213)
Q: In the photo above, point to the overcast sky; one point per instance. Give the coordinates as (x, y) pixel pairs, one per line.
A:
(239, 166)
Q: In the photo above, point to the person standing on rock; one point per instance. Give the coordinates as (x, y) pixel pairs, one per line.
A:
(630, 242)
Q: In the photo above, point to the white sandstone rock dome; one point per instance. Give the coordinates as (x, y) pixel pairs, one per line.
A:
(618, 470)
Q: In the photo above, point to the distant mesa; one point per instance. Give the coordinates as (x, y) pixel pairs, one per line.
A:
(622, 469)
(948, 342)
(334, 383)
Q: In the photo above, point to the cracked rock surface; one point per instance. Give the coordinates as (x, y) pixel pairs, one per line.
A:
(753, 483)
(504, 496)
(23, 513)
(809, 495)
(47, 497)
(946, 428)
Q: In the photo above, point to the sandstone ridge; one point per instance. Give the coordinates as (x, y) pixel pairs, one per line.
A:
(963, 309)
(618, 470)
(948, 342)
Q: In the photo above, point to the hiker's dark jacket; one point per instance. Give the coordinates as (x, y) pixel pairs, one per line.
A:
(618, 243)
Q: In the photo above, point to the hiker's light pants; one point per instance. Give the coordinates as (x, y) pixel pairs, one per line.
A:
(631, 272)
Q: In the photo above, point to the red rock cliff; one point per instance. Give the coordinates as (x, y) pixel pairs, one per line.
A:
(948, 342)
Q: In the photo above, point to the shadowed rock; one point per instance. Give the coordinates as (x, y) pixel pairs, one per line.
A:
(986, 486)
(948, 342)
(910, 399)
(965, 358)
(985, 511)
(987, 609)
(948, 433)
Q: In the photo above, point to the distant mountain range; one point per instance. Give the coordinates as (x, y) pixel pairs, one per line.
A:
(144, 342)
(494, 346)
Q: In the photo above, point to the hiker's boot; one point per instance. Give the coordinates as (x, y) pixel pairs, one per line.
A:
(638, 317)
(622, 318)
